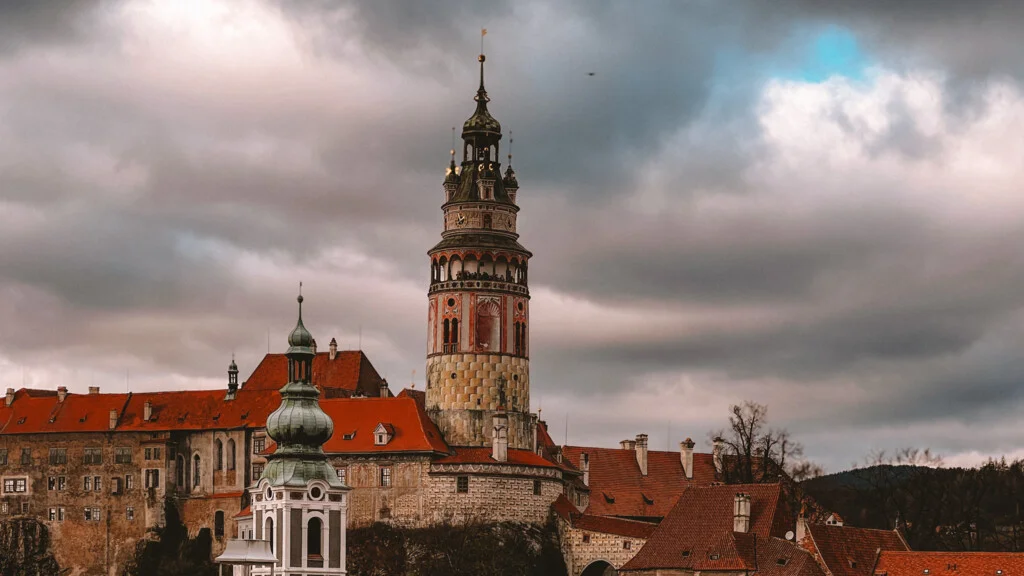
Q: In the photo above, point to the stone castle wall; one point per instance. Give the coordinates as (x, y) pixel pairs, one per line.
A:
(463, 395)
(610, 548)
(504, 498)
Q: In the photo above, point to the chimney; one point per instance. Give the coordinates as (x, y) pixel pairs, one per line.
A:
(94, 389)
(641, 452)
(113, 419)
(147, 411)
(801, 529)
(741, 513)
(62, 393)
(10, 397)
(716, 454)
(332, 349)
(585, 467)
(627, 444)
(384, 388)
(686, 457)
(499, 440)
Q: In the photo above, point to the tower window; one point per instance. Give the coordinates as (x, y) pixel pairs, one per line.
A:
(218, 463)
(218, 524)
(314, 539)
(488, 326)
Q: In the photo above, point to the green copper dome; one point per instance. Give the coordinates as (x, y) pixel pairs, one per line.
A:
(481, 120)
(299, 426)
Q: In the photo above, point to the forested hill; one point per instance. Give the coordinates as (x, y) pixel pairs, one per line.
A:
(937, 508)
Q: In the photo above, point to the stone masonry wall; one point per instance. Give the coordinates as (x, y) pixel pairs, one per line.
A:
(462, 395)
(490, 499)
(402, 503)
(608, 547)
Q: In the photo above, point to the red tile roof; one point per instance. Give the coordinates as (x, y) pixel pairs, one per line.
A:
(778, 557)
(849, 551)
(618, 489)
(946, 563)
(244, 512)
(463, 455)
(698, 532)
(199, 410)
(413, 430)
(37, 413)
(605, 524)
(350, 371)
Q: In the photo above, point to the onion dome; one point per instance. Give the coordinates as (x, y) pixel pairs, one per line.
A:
(300, 340)
(451, 174)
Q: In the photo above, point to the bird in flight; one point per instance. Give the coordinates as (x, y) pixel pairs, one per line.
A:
(591, 73)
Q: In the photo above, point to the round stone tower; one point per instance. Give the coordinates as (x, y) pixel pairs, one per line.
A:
(478, 321)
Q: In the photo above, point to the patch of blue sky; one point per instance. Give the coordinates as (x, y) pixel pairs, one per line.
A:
(833, 51)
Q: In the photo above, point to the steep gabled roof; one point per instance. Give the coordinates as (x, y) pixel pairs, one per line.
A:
(698, 532)
(357, 418)
(349, 372)
(959, 563)
(617, 488)
(849, 551)
(604, 524)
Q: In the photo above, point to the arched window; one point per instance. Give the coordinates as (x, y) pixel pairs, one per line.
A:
(218, 524)
(218, 462)
(231, 454)
(195, 471)
(180, 472)
(488, 326)
(268, 532)
(314, 537)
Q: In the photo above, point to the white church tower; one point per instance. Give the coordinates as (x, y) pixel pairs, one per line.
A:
(299, 504)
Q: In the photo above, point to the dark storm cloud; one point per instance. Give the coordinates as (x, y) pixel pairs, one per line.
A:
(28, 22)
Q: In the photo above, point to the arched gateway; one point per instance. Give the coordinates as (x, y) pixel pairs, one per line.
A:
(599, 568)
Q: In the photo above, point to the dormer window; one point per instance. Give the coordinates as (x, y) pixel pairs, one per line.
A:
(383, 434)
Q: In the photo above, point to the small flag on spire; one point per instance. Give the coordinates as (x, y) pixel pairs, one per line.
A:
(483, 31)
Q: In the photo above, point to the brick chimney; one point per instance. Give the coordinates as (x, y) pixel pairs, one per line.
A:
(10, 397)
(147, 411)
(332, 349)
(641, 452)
(94, 389)
(62, 393)
(686, 457)
(585, 467)
(741, 513)
(499, 438)
(627, 444)
(384, 388)
(113, 419)
(716, 454)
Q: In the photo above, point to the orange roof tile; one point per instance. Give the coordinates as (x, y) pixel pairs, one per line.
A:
(698, 532)
(960, 563)
(413, 430)
(244, 512)
(617, 488)
(199, 410)
(849, 551)
(350, 371)
(36, 413)
(463, 455)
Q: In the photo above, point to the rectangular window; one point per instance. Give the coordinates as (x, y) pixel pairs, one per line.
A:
(149, 453)
(257, 471)
(343, 475)
(97, 483)
(92, 456)
(156, 453)
(89, 516)
(586, 538)
(58, 456)
(385, 477)
(24, 507)
(129, 482)
(15, 485)
(626, 544)
(51, 483)
(259, 445)
(152, 478)
(536, 487)
(4, 509)
(87, 483)
(62, 482)
(122, 455)
(3, 456)
(115, 485)
(462, 484)
(129, 513)
(53, 514)
(26, 456)
(60, 514)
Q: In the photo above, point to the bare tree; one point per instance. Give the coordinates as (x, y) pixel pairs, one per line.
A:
(753, 452)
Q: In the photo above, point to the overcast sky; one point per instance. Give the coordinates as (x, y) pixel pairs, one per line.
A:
(813, 206)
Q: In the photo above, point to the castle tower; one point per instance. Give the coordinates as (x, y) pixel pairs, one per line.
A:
(478, 319)
(299, 504)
